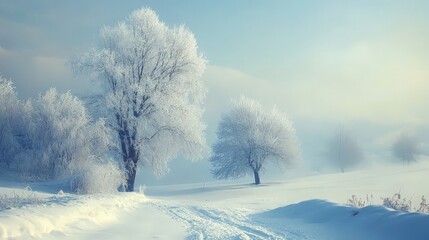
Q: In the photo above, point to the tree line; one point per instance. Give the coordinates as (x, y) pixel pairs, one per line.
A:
(152, 98)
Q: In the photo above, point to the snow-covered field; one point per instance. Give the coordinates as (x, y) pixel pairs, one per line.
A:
(301, 208)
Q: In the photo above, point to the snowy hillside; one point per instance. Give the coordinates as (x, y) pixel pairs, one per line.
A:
(301, 208)
(192, 120)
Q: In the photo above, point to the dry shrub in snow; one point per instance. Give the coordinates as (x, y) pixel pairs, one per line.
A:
(397, 203)
(358, 202)
(18, 200)
(98, 177)
(424, 207)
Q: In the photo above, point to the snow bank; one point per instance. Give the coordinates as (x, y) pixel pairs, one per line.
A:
(333, 221)
(60, 213)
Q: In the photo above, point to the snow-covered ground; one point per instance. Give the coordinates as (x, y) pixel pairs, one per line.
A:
(301, 208)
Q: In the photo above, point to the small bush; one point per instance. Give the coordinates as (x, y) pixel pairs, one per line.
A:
(19, 200)
(98, 177)
(424, 207)
(395, 202)
(358, 202)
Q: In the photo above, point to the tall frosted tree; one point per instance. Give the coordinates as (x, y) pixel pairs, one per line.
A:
(152, 88)
(249, 137)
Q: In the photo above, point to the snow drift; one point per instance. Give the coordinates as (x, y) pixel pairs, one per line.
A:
(346, 222)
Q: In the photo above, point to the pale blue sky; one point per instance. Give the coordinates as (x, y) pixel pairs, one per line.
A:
(361, 64)
(254, 35)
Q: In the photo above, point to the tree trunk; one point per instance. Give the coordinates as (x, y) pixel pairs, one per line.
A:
(130, 155)
(257, 179)
(131, 175)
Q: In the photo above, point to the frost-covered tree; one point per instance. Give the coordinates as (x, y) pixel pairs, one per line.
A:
(152, 89)
(405, 148)
(249, 137)
(344, 150)
(60, 135)
(53, 136)
(10, 109)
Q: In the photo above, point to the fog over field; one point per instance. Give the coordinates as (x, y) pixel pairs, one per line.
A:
(330, 64)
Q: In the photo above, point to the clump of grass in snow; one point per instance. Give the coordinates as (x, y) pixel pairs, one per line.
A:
(424, 207)
(19, 200)
(396, 202)
(358, 202)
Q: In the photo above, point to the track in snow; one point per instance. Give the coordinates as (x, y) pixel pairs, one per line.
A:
(203, 222)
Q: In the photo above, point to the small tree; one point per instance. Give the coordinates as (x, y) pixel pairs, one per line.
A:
(152, 89)
(248, 137)
(344, 150)
(405, 148)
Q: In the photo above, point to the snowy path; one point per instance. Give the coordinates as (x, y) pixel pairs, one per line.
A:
(206, 222)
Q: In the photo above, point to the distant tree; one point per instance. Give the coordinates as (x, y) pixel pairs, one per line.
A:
(344, 150)
(10, 109)
(249, 137)
(405, 148)
(152, 89)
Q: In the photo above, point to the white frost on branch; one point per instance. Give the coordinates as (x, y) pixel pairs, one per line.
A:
(10, 109)
(49, 137)
(248, 137)
(151, 77)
